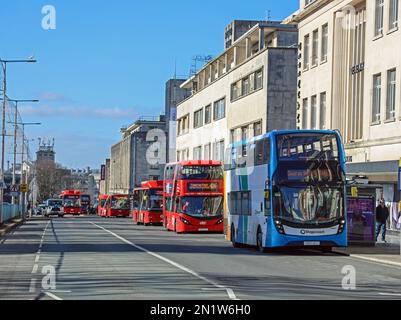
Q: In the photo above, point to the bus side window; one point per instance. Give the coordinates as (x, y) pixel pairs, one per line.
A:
(267, 202)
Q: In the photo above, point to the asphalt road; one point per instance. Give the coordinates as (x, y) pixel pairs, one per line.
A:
(95, 258)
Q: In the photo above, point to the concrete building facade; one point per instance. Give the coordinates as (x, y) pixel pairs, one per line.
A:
(174, 94)
(247, 90)
(139, 156)
(349, 79)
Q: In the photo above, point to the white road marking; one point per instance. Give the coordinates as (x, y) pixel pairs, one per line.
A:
(229, 291)
(51, 295)
(32, 287)
(35, 268)
(390, 294)
(380, 261)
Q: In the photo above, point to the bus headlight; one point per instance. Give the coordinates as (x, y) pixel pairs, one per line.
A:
(279, 226)
(220, 221)
(185, 221)
(341, 226)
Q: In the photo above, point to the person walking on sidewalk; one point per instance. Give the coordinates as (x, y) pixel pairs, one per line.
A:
(382, 214)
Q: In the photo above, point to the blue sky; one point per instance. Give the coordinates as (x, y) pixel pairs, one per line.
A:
(107, 62)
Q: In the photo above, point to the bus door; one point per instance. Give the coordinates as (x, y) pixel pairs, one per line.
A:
(136, 204)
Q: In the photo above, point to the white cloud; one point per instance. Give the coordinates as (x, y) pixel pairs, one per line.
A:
(44, 110)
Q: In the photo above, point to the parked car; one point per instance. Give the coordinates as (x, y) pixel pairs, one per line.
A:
(40, 210)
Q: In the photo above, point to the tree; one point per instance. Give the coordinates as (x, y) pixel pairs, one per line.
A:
(51, 179)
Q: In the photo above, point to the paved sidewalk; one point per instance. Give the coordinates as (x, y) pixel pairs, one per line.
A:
(8, 226)
(387, 253)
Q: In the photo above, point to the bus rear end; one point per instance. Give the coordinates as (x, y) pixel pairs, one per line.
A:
(198, 190)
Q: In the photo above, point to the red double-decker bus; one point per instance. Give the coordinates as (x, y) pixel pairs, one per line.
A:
(101, 201)
(71, 202)
(148, 203)
(116, 205)
(193, 196)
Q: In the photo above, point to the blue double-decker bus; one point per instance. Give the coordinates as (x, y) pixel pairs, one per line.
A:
(287, 189)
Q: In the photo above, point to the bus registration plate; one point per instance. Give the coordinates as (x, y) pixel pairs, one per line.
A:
(311, 243)
(203, 229)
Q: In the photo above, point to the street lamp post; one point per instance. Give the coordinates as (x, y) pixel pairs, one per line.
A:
(16, 101)
(22, 200)
(3, 133)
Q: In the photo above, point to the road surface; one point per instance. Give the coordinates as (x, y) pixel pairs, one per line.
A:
(97, 258)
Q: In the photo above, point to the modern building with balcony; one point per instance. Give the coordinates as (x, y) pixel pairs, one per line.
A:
(247, 90)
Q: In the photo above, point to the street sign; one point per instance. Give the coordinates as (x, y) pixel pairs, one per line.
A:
(24, 187)
(14, 190)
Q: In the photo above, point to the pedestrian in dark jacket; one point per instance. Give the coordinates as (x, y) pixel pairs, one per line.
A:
(382, 214)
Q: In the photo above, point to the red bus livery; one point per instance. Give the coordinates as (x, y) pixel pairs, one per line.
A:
(116, 205)
(193, 196)
(148, 203)
(71, 202)
(101, 201)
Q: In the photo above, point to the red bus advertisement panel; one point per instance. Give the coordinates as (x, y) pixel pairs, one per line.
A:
(117, 205)
(148, 203)
(193, 197)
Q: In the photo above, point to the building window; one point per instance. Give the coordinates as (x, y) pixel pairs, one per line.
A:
(198, 118)
(235, 90)
(379, 14)
(391, 94)
(208, 116)
(258, 79)
(245, 86)
(377, 87)
(257, 128)
(325, 41)
(218, 150)
(197, 153)
(313, 112)
(219, 110)
(305, 113)
(306, 52)
(315, 47)
(207, 154)
(393, 14)
(183, 125)
(323, 110)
